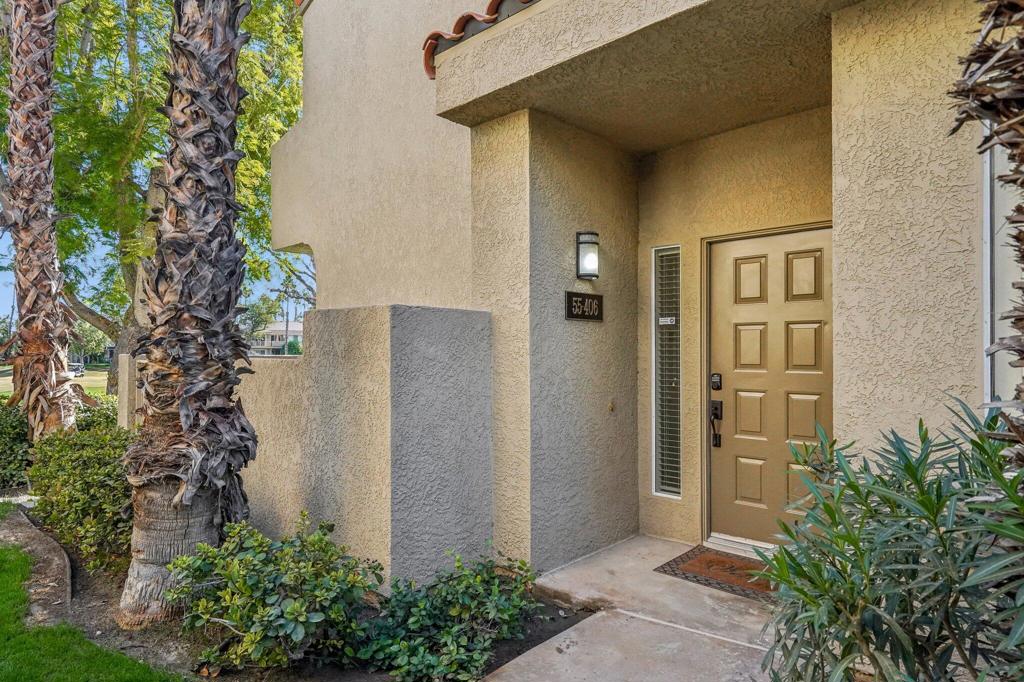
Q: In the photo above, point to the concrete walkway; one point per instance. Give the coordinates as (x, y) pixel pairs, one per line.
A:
(651, 628)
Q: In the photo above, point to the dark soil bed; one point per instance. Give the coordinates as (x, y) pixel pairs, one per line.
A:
(95, 602)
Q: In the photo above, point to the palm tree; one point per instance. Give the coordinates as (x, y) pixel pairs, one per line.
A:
(991, 90)
(42, 382)
(195, 437)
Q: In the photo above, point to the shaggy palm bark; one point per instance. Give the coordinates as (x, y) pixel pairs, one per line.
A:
(42, 383)
(992, 91)
(195, 438)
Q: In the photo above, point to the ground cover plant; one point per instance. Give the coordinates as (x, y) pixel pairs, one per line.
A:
(447, 630)
(273, 602)
(897, 567)
(270, 603)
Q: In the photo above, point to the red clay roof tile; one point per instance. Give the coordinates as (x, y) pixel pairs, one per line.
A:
(493, 13)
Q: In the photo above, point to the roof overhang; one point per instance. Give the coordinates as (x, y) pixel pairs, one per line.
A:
(645, 75)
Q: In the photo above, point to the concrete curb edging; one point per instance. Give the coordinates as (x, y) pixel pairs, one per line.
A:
(49, 584)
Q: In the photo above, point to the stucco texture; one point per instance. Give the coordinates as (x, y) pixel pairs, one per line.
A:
(383, 428)
(370, 181)
(645, 74)
(441, 492)
(907, 238)
(501, 272)
(583, 374)
(564, 391)
(769, 175)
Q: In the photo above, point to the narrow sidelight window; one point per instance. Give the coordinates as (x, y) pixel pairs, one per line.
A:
(666, 410)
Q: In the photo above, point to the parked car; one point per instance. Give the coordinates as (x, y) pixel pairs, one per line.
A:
(77, 369)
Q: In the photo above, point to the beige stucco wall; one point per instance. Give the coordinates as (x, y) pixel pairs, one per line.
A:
(370, 179)
(907, 238)
(501, 272)
(382, 428)
(557, 31)
(645, 74)
(564, 391)
(769, 175)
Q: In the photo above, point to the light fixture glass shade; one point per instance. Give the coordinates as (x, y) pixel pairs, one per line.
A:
(588, 257)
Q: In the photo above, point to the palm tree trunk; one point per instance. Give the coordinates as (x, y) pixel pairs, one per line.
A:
(161, 531)
(42, 382)
(195, 438)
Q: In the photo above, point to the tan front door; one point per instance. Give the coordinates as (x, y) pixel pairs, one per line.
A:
(771, 342)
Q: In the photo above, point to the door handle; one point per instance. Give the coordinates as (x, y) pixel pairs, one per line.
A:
(716, 413)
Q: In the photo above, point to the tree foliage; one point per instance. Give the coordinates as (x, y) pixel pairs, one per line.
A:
(258, 315)
(88, 340)
(110, 60)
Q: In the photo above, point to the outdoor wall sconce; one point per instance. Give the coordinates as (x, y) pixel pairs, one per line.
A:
(587, 255)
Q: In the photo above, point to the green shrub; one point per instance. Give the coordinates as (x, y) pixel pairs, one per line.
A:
(14, 447)
(14, 444)
(84, 496)
(268, 604)
(102, 416)
(885, 571)
(272, 603)
(446, 630)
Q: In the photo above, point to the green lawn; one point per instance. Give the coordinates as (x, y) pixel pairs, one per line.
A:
(53, 654)
(94, 382)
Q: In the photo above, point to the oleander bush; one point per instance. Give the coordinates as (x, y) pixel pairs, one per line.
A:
(270, 603)
(14, 447)
(447, 630)
(896, 568)
(84, 496)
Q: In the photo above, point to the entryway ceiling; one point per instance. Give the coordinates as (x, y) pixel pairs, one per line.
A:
(710, 67)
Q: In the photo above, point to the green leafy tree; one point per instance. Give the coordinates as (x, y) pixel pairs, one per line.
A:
(258, 315)
(88, 341)
(110, 60)
(293, 348)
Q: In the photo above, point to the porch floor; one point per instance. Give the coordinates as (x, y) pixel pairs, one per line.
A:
(651, 627)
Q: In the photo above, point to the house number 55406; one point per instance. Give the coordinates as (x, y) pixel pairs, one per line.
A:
(579, 306)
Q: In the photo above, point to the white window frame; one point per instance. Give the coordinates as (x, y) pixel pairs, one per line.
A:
(992, 249)
(988, 254)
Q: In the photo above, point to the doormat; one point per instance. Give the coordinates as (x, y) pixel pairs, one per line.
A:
(727, 572)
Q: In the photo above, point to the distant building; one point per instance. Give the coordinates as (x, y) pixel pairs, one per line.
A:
(274, 339)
